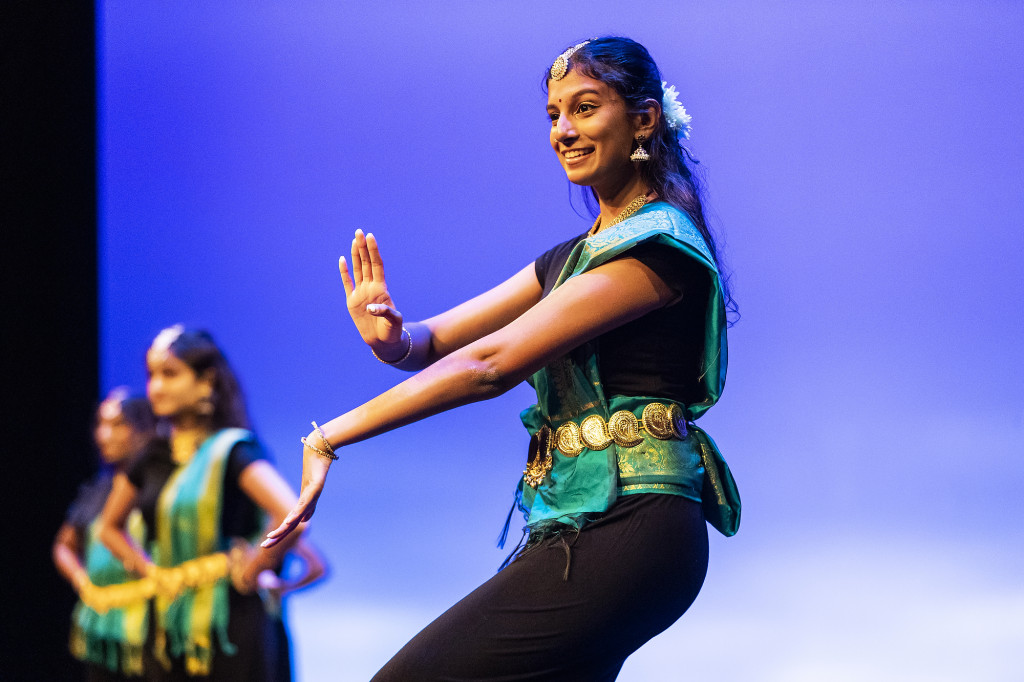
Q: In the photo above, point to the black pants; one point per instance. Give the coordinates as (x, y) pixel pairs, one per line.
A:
(632, 573)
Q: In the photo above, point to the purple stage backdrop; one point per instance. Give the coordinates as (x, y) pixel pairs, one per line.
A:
(864, 165)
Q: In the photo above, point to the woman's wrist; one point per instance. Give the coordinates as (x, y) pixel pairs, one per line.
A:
(80, 581)
(140, 566)
(396, 353)
(317, 442)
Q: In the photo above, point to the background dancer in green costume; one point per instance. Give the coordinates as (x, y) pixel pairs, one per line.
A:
(621, 331)
(205, 490)
(108, 641)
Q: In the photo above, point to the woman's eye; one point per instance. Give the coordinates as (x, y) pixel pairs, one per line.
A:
(584, 108)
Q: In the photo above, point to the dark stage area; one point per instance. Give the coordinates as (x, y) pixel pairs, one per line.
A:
(50, 310)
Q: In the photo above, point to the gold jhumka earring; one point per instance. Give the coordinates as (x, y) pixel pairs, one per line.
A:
(640, 154)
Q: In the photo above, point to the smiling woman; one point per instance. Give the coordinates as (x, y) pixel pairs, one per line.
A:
(593, 133)
(621, 331)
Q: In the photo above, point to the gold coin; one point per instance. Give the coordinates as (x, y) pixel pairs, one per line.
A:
(567, 439)
(594, 432)
(656, 421)
(625, 429)
(678, 419)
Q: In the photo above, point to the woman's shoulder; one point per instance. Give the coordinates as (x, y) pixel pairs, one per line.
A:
(89, 500)
(560, 248)
(249, 448)
(662, 208)
(155, 456)
(658, 221)
(244, 452)
(663, 216)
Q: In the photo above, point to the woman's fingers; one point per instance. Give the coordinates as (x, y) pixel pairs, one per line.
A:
(346, 279)
(376, 264)
(387, 312)
(365, 266)
(302, 511)
(275, 536)
(356, 264)
(366, 262)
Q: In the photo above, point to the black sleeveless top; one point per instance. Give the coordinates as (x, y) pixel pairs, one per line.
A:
(658, 354)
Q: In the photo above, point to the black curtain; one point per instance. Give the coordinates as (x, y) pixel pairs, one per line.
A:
(48, 227)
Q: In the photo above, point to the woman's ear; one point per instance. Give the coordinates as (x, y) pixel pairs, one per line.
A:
(208, 378)
(645, 120)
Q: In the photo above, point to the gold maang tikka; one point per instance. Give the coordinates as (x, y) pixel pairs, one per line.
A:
(561, 65)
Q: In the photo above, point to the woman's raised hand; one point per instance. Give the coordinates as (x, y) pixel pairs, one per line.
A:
(367, 297)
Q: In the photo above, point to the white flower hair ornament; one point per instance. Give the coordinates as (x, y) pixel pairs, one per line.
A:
(674, 113)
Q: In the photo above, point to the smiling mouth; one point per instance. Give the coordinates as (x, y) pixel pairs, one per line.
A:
(576, 154)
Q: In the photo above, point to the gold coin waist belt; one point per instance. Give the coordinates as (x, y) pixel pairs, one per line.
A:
(594, 432)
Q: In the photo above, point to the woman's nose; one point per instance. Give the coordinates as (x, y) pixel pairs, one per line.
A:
(564, 128)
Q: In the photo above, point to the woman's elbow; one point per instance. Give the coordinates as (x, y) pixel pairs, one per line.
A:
(108, 534)
(491, 376)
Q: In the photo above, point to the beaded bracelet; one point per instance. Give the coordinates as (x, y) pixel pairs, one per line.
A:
(408, 351)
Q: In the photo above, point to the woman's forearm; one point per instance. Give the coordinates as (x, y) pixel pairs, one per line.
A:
(113, 527)
(67, 559)
(466, 376)
(492, 365)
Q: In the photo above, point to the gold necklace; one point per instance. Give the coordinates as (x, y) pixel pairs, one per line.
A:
(184, 445)
(631, 208)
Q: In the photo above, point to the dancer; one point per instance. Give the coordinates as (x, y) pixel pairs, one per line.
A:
(205, 490)
(621, 331)
(108, 640)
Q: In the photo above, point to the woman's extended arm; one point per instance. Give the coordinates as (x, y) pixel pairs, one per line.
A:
(261, 482)
(113, 527)
(582, 308)
(380, 324)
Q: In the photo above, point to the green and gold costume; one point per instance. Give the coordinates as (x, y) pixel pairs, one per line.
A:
(188, 527)
(570, 390)
(111, 637)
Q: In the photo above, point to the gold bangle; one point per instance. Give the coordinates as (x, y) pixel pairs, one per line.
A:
(327, 443)
(317, 450)
(408, 351)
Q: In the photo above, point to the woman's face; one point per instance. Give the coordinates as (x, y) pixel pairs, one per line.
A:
(115, 437)
(173, 387)
(591, 131)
